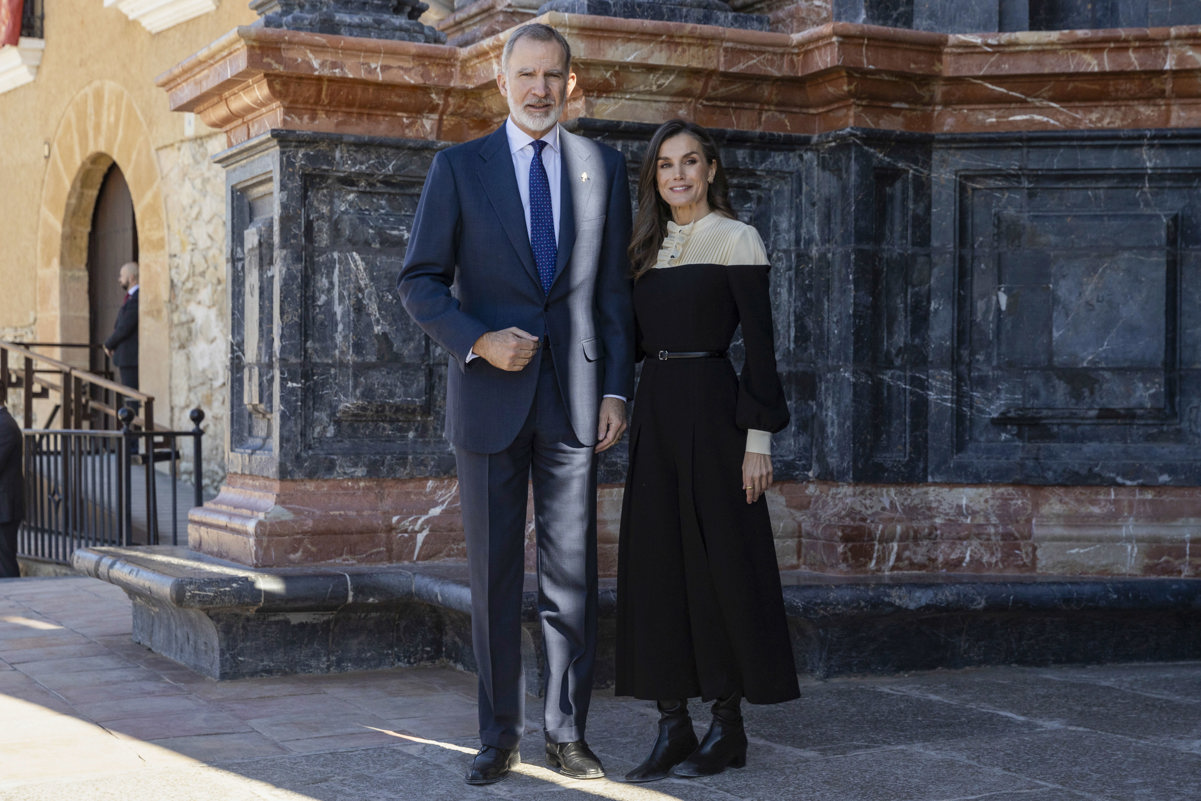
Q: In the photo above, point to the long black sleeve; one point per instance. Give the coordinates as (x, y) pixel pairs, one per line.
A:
(761, 401)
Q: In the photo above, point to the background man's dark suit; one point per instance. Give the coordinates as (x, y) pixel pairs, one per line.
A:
(12, 493)
(123, 341)
(470, 233)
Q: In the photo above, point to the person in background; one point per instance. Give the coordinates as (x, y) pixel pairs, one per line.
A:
(700, 610)
(12, 492)
(122, 343)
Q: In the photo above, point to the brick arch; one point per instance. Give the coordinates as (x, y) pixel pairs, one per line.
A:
(101, 126)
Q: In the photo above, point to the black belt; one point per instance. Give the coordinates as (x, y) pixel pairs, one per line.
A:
(664, 355)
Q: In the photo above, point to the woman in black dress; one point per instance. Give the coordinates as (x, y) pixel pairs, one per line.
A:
(699, 607)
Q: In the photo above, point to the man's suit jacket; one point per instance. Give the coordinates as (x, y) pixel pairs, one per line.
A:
(12, 484)
(469, 269)
(123, 341)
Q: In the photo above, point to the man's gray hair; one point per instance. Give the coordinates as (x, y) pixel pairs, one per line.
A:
(539, 33)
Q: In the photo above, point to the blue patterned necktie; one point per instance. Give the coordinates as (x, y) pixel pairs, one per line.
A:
(542, 219)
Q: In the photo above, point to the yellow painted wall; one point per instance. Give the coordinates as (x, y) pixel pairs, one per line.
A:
(98, 69)
(94, 101)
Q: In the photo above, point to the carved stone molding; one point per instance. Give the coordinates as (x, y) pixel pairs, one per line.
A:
(19, 63)
(825, 79)
(159, 15)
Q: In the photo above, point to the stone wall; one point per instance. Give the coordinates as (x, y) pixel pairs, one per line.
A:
(197, 306)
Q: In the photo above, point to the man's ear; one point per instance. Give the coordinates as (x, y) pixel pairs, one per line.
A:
(502, 84)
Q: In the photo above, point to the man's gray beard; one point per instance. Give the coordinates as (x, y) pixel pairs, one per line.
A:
(540, 123)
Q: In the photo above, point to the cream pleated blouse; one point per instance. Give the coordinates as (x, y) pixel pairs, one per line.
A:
(716, 239)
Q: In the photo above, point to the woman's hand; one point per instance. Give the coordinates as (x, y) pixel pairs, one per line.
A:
(756, 475)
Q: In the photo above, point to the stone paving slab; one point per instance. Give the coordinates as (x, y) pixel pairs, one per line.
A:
(91, 716)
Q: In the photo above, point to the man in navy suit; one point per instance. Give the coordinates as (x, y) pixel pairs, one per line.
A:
(517, 266)
(122, 343)
(12, 493)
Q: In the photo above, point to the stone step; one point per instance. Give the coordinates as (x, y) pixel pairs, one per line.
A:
(225, 620)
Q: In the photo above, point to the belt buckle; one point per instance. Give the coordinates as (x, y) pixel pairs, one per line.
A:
(663, 355)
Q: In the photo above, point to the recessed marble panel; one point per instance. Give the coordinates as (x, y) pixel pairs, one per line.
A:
(1068, 327)
(351, 305)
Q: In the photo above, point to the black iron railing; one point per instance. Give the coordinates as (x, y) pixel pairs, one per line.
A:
(31, 19)
(106, 475)
(86, 488)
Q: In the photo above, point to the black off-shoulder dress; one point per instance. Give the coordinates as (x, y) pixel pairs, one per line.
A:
(699, 605)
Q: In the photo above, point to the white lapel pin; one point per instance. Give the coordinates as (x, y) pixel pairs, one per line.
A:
(584, 177)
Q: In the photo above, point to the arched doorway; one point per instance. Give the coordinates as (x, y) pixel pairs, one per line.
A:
(82, 152)
(113, 241)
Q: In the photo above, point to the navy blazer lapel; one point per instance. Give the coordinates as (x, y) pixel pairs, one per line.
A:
(500, 185)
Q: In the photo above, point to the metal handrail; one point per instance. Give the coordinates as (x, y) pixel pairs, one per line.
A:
(74, 386)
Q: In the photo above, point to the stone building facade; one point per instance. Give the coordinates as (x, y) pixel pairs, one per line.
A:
(981, 216)
(89, 107)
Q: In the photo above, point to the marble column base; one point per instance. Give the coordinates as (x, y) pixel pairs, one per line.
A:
(884, 529)
(264, 522)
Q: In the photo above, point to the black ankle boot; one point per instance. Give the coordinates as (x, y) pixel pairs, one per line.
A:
(724, 746)
(676, 741)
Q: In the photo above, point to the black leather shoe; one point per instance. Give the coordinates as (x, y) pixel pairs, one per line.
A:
(723, 747)
(574, 760)
(492, 764)
(676, 741)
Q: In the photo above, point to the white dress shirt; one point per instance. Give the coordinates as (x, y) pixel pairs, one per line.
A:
(521, 148)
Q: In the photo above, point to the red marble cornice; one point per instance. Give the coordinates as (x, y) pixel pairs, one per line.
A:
(822, 79)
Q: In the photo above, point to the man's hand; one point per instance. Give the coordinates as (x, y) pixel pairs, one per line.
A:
(756, 475)
(612, 423)
(511, 349)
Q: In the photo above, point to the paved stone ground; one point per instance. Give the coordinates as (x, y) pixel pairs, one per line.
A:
(88, 715)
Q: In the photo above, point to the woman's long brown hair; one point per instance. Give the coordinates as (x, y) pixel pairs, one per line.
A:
(650, 224)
